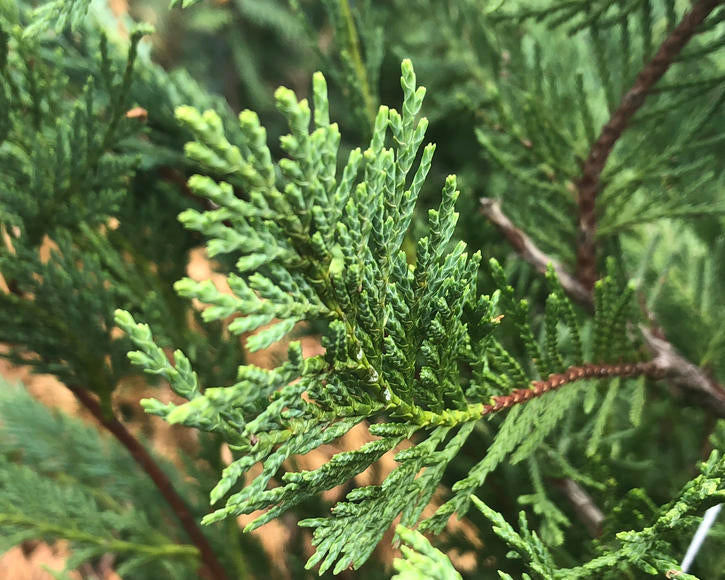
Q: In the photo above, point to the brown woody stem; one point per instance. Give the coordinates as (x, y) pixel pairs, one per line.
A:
(526, 248)
(586, 510)
(667, 359)
(589, 183)
(572, 374)
(213, 569)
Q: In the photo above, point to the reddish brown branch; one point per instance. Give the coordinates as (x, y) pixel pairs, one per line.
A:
(588, 185)
(572, 374)
(667, 359)
(212, 568)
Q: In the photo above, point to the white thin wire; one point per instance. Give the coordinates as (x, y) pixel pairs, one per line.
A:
(700, 536)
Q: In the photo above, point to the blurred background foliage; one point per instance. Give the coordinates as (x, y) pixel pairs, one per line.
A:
(92, 166)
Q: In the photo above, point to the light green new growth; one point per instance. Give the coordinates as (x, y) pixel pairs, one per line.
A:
(421, 561)
(57, 14)
(409, 346)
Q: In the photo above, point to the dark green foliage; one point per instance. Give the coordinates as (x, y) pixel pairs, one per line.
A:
(645, 551)
(343, 232)
(398, 334)
(79, 210)
(76, 486)
(539, 79)
(74, 515)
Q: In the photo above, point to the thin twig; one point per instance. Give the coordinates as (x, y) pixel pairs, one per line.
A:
(353, 49)
(587, 511)
(666, 358)
(683, 373)
(571, 375)
(213, 570)
(588, 184)
(530, 252)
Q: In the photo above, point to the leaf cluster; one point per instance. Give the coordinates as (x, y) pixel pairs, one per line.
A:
(410, 343)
